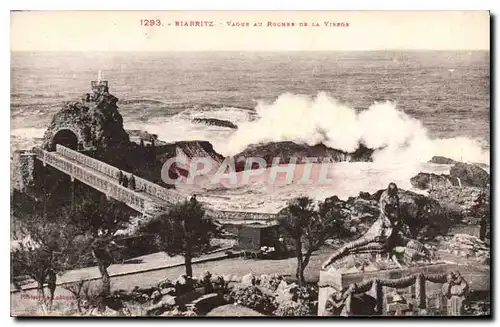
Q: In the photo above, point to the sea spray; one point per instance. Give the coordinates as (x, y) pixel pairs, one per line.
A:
(398, 137)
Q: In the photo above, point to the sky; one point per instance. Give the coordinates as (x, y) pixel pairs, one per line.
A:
(366, 30)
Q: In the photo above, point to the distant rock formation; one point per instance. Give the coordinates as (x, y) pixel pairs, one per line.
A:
(287, 150)
(459, 199)
(215, 122)
(425, 181)
(442, 160)
(464, 194)
(470, 175)
(142, 135)
(461, 174)
(93, 123)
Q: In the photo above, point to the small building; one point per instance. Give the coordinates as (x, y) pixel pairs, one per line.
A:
(252, 237)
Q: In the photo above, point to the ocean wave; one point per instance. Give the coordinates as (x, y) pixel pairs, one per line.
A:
(29, 95)
(140, 101)
(322, 119)
(398, 136)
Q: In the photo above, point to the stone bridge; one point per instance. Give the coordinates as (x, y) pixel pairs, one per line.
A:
(148, 198)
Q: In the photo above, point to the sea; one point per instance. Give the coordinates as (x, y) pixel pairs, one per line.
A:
(410, 105)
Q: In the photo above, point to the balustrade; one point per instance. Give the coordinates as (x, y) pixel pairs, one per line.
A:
(141, 184)
(134, 199)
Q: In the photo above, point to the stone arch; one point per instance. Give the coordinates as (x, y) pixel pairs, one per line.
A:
(67, 137)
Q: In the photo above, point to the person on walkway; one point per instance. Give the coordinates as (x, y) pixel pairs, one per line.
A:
(120, 177)
(125, 181)
(131, 183)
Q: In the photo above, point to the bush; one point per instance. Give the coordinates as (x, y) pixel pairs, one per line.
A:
(271, 282)
(177, 312)
(305, 294)
(253, 298)
(292, 308)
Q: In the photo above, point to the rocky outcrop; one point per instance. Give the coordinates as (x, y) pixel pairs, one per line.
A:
(460, 200)
(287, 150)
(215, 122)
(192, 149)
(442, 160)
(425, 181)
(468, 246)
(142, 135)
(470, 175)
(459, 192)
(422, 216)
(461, 174)
(91, 123)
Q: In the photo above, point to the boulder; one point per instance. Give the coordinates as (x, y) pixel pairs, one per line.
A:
(421, 214)
(470, 175)
(207, 302)
(168, 300)
(442, 160)
(361, 207)
(248, 279)
(286, 150)
(365, 195)
(424, 181)
(468, 246)
(156, 295)
(285, 292)
(215, 122)
(168, 290)
(167, 283)
(460, 200)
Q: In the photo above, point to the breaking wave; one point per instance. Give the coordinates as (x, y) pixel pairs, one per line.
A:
(396, 136)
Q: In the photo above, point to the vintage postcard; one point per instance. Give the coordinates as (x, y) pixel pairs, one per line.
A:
(250, 163)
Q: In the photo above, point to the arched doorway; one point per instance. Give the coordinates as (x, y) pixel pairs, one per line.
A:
(66, 138)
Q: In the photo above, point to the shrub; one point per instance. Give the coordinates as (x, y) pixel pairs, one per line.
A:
(253, 298)
(291, 308)
(306, 294)
(180, 312)
(271, 282)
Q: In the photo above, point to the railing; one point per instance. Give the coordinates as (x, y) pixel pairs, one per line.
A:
(111, 171)
(241, 216)
(133, 199)
(124, 194)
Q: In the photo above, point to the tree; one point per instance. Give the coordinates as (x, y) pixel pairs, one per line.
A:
(42, 252)
(309, 226)
(183, 230)
(97, 221)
